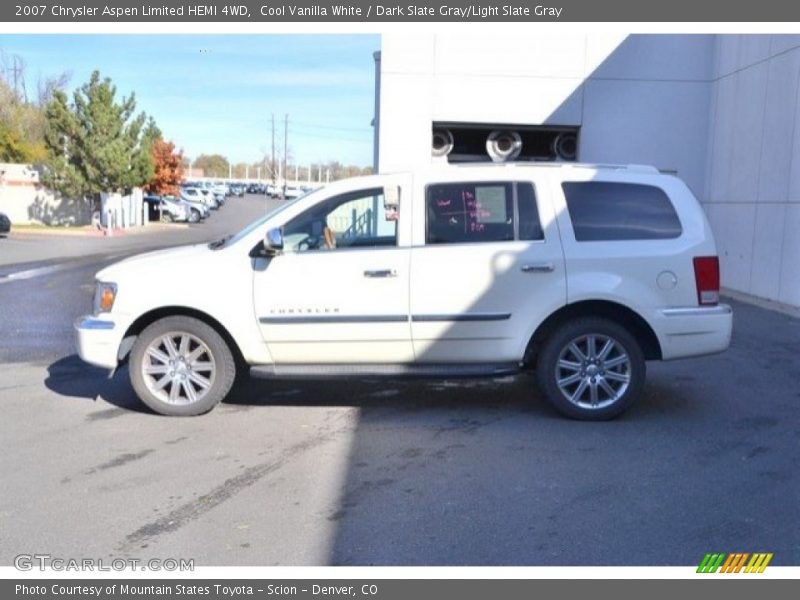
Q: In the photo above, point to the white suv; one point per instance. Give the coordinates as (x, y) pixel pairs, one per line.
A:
(579, 272)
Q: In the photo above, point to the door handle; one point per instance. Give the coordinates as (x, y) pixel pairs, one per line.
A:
(538, 268)
(380, 273)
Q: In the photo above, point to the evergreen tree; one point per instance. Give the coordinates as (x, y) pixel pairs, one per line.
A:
(96, 144)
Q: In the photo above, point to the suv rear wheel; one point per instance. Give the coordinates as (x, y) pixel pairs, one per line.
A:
(591, 369)
(181, 366)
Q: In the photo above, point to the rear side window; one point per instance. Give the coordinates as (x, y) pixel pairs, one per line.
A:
(481, 212)
(605, 211)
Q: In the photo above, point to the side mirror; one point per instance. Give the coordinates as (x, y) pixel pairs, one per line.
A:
(273, 241)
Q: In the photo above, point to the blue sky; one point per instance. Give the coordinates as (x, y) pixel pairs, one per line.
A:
(216, 93)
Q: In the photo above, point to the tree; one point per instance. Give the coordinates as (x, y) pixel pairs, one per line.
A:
(21, 128)
(168, 169)
(96, 144)
(213, 165)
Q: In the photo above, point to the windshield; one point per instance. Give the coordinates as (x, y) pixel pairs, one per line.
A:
(233, 238)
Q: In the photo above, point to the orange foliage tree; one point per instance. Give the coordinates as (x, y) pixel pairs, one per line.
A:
(168, 169)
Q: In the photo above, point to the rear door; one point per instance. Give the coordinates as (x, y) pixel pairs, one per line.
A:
(486, 268)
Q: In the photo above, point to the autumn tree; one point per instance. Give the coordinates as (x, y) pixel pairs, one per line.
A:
(95, 144)
(168, 169)
(213, 165)
(21, 128)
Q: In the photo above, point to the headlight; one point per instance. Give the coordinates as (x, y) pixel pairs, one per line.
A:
(104, 296)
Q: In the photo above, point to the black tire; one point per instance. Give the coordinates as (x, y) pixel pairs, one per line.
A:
(194, 216)
(214, 351)
(167, 217)
(591, 372)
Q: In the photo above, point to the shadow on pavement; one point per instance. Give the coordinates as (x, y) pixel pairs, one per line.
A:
(70, 376)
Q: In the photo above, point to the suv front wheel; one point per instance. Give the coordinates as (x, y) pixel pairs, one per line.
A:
(181, 366)
(591, 369)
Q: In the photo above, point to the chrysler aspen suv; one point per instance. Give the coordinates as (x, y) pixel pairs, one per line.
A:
(580, 273)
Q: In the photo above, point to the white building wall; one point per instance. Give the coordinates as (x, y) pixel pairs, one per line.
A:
(753, 193)
(25, 200)
(625, 92)
(719, 110)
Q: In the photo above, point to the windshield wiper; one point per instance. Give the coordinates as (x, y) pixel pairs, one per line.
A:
(220, 242)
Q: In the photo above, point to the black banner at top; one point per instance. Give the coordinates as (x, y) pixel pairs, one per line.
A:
(316, 11)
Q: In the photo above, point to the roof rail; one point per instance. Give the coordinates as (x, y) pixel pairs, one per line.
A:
(633, 168)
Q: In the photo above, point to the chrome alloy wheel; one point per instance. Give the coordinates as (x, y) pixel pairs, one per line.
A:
(178, 368)
(593, 371)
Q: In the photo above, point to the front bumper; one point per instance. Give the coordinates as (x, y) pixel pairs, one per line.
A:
(97, 341)
(693, 331)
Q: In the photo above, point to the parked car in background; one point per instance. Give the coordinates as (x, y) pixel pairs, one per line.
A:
(579, 273)
(169, 209)
(199, 195)
(5, 224)
(292, 191)
(197, 206)
(209, 198)
(220, 190)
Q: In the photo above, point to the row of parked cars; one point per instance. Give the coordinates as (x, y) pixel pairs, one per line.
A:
(193, 204)
(198, 198)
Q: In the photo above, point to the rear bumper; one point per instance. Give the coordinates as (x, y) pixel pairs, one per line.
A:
(97, 341)
(693, 331)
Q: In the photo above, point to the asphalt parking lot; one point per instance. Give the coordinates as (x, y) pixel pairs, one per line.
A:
(392, 472)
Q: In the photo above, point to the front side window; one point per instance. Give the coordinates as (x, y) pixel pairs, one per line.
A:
(613, 211)
(471, 212)
(351, 220)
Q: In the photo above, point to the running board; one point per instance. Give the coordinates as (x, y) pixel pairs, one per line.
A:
(435, 371)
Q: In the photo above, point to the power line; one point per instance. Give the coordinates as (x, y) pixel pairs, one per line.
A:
(332, 127)
(302, 134)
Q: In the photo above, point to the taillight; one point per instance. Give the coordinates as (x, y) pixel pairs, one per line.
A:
(706, 276)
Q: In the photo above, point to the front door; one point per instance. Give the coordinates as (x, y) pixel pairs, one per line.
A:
(339, 291)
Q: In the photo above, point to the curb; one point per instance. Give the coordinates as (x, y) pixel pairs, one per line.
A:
(93, 232)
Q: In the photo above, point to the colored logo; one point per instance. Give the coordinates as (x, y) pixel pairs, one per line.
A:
(735, 562)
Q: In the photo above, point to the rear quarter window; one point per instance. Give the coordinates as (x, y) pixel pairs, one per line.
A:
(614, 211)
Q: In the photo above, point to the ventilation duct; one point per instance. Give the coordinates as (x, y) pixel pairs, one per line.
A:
(442, 142)
(565, 146)
(502, 146)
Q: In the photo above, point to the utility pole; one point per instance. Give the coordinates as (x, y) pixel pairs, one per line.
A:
(272, 156)
(285, 151)
(17, 71)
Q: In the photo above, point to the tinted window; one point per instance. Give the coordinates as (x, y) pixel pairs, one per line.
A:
(469, 212)
(530, 227)
(602, 210)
